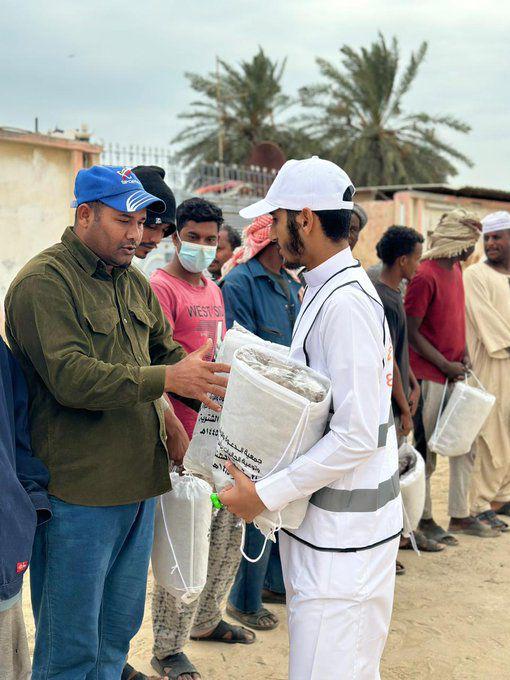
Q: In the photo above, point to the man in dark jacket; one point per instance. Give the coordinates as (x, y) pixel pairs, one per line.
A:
(259, 293)
(23, 504)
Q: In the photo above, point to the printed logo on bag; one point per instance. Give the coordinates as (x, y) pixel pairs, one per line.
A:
(21, 567)
(127, 176)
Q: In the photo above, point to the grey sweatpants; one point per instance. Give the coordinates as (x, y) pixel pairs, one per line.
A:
(14, 656)
(173, 621)
(461, 467)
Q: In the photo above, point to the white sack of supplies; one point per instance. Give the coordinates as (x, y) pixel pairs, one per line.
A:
(200, 454)
(180, 551)
(275, 409)
(461, 421)
(411, 467)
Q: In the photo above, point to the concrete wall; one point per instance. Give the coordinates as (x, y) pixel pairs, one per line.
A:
(419, 210)
(36, 190)
(381, 215)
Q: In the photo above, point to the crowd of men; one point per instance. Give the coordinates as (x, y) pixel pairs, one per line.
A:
(105, 374)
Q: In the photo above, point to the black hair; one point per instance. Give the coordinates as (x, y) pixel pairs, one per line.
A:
(198, 210)
(336, 223)
(232, 236)
(96, 206)
(397, 241)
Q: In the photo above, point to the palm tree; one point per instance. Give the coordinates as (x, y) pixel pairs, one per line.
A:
(239, 104)
(359, 121)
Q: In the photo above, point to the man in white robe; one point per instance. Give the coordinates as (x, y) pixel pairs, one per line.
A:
(339, 565)
(487, 286)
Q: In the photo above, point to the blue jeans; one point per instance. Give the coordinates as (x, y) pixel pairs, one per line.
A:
(88, 578)
(246, 593)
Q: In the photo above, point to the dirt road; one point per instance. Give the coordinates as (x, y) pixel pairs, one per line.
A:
(451, 620)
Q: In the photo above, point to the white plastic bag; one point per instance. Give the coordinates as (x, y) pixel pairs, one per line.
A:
(265, 425)
(412, 486)
(180, 551)
(200, 454)
(461, 421)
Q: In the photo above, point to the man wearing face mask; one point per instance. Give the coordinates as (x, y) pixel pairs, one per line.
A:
(193, 304)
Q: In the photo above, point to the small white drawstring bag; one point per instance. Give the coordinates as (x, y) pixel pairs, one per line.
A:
(462, 419)
(412, 486)
(180, 551)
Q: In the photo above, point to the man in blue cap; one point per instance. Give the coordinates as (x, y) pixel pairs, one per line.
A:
(98, 354)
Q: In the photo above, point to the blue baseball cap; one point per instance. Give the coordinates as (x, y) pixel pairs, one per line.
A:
(115, 186)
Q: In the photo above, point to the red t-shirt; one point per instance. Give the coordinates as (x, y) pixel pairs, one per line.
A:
(195, 313)
(436, 295)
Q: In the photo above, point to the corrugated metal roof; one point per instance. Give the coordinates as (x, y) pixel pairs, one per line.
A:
(387, 191)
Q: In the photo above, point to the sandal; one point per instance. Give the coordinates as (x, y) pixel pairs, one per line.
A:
(129, 673)
(400, 570)
(436, 533)
(490, 518)
(504, 510)
(423, 543)
(254, 619)
(173, 666)
(238, 634)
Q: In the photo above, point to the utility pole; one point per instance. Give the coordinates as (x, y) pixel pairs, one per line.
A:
(221, 129)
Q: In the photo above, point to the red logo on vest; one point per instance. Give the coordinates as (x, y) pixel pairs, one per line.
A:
(21, 567)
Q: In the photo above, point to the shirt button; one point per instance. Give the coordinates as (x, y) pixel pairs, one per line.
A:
(125, 320)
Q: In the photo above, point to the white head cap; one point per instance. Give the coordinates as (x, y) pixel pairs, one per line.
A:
(497, 221)
(312, 183)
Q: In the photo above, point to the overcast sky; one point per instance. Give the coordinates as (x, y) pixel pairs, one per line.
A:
(126, 78)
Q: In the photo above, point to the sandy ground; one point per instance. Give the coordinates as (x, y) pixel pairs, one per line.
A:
(451, 619)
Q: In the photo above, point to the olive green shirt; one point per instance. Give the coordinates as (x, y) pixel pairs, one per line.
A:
(93, 348)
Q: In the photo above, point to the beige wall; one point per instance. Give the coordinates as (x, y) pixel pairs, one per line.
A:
(381, 215)
(419, 210)
(36, 190)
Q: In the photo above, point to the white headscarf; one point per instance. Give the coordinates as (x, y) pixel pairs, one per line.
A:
(496, 221)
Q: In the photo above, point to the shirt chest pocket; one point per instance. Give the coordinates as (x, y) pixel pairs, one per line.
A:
(102, 326)
(143, 321)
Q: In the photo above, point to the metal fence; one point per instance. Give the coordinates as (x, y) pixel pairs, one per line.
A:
(135, 154)
(229, 181)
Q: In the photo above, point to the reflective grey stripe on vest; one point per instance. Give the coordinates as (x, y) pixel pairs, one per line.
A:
(383, 431)
(357, 500)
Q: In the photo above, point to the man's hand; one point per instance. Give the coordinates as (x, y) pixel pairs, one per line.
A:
(406, 423)
(177, 437)
(196, 378)
(454, 370)
(467, 362)
(241, 499)
(414, 398)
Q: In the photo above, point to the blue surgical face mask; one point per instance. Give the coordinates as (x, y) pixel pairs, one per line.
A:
(194, 257)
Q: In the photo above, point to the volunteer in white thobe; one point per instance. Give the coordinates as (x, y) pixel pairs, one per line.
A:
(339, 566)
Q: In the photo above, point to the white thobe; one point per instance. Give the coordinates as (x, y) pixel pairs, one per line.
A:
(339, 566)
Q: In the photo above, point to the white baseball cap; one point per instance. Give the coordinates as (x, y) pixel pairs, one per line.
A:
(312, 183)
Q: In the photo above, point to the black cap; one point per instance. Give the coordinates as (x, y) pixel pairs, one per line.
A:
(152, 179)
